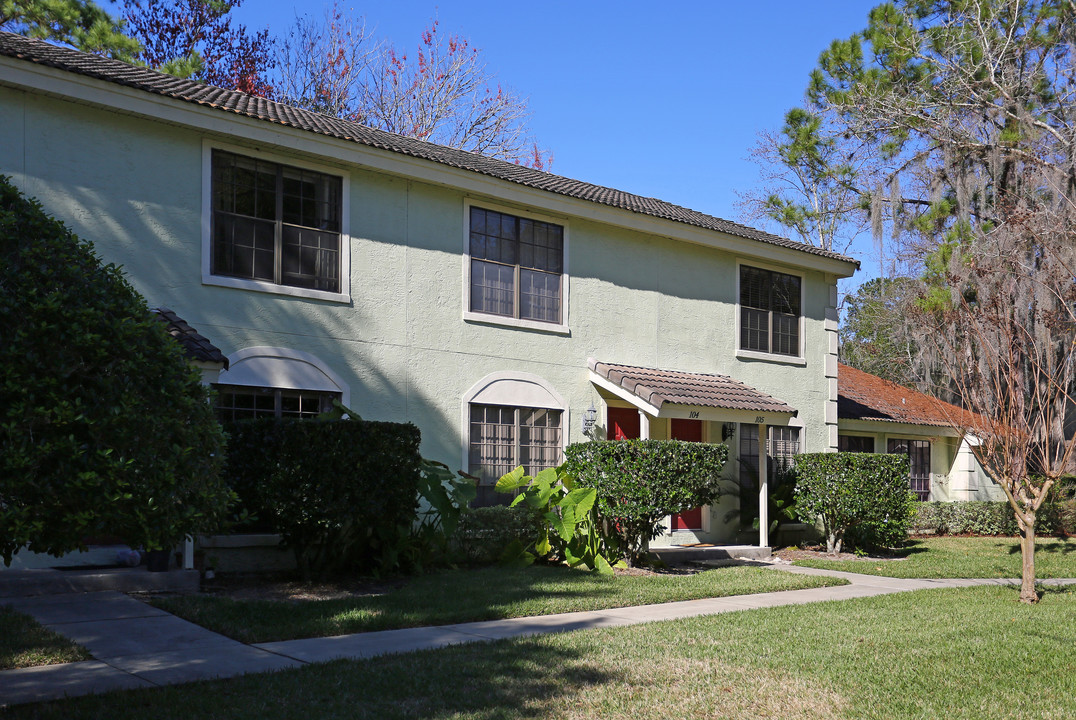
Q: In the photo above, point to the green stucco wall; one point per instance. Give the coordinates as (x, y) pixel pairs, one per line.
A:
(134, 186)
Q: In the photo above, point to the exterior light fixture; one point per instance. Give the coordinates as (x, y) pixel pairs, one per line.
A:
(590, 416)
(728, 430)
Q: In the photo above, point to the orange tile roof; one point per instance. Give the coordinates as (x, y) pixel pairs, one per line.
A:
(862, 396)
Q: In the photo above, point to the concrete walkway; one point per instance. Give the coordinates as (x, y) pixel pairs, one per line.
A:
(135, 645)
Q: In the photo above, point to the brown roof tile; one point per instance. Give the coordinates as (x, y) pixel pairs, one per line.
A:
(862, 396)
(114, 71)
(658, 387)
(195, 345)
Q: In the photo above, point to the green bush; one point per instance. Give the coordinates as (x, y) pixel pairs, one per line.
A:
(639, 482)
(104, 426)
(1055, 517)
(864, 493)
(566, 519)
(341, 493)
(484, 533)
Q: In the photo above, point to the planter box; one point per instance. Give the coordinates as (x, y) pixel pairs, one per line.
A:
(255, 552)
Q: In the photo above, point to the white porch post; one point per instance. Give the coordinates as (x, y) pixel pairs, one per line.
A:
(188, 553)
(644, 426)
(763, 491)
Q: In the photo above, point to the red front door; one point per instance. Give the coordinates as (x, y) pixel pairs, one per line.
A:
(623, 424)
(691, 431)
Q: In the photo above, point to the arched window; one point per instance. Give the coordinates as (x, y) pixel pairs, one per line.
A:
(277, 382)
(512, 419)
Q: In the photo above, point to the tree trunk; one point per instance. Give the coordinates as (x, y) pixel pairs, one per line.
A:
(833, 542)
(1027, 556)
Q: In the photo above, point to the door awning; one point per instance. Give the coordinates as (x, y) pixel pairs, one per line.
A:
(672, 393)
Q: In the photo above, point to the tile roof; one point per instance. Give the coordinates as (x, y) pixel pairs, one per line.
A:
(658, 387)
(114, 71)
(195, 345)
(862, 396)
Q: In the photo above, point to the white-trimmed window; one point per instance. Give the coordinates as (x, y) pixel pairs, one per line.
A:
(274, 226)
(515, 269)
(770, 311)
(503, 438)
(511, 419)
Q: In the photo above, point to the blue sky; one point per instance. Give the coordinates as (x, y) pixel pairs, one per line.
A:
(659, 99)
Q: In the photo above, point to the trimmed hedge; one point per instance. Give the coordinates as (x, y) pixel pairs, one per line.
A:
(861, 497)
(639, 482)
(341, 493)
(992, 518)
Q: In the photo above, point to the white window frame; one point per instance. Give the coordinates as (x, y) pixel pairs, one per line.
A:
(799, 359)
(561, 328)
(516, 390)
(208, 278)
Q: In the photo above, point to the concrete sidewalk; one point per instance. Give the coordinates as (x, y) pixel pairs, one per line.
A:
(135, 645)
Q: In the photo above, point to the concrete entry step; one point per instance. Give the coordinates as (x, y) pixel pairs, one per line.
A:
(25, 583)
(678, 554)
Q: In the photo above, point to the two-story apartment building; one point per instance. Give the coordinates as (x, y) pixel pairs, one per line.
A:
(492, 305)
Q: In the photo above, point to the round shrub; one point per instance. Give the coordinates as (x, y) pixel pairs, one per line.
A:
(104, 427)
(862, 493)
(639, 482)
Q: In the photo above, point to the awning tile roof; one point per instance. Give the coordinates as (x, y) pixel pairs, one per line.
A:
(658, 387)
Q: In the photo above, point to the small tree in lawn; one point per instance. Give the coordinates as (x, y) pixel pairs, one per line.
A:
(104, 426)
(850, 490)
(1005, 322)
(640, 482)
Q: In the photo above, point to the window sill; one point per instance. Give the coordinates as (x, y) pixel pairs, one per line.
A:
(771, 357)
(274, 289)
(484, 319)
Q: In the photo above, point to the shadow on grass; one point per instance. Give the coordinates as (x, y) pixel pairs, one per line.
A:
(1047, 546)
(441, 598)
(523, 678)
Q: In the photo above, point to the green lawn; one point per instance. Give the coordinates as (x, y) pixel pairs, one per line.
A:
(26, 643)
(965, 557)
(468, 595)
(955, 654)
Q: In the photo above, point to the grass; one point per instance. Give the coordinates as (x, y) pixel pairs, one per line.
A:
(965, 557)
(469, 595)
(957, 654)
(26, 643)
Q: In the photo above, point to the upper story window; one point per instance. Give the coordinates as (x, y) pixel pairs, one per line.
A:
(517, 267)
(276, 223)
(769, 311)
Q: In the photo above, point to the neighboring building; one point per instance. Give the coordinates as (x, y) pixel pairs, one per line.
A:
(491, 304)
(879, 416)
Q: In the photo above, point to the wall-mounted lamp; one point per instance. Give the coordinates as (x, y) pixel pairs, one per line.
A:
(590, 416)
(728, 430)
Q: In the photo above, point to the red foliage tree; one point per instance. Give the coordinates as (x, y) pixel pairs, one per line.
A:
(197, 39)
